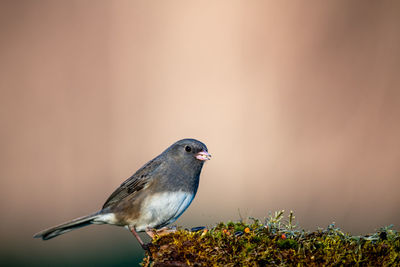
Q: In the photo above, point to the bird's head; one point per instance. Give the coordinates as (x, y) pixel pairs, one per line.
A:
(189, 152)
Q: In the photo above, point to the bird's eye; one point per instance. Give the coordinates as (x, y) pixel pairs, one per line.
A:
(188, 148)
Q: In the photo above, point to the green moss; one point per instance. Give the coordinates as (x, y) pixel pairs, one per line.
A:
(274, 242)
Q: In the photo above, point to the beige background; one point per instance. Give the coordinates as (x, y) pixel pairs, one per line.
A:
(299, 103)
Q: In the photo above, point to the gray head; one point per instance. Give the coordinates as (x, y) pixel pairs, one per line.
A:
(188, 153)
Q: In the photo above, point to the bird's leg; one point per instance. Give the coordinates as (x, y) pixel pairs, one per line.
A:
(132, 229)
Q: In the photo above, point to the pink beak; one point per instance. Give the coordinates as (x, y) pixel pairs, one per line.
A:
(203, 155)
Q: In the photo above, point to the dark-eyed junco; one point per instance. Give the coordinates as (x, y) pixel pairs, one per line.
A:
(153, 197)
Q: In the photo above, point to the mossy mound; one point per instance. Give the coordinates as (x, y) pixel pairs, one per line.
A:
(275, 242)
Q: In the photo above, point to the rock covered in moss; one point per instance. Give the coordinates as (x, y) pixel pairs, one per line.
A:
(273, 243)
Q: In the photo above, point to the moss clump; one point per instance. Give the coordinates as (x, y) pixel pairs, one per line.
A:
(274, 242)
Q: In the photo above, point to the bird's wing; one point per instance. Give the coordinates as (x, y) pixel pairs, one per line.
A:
(135, 183)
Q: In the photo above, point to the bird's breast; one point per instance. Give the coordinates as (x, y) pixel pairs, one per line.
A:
(162, 208)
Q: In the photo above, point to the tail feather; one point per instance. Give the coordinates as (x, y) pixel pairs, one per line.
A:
(67, 226)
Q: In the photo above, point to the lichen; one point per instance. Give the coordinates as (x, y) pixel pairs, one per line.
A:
(276, 241)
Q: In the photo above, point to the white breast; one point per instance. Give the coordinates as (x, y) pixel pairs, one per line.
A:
(162, 209)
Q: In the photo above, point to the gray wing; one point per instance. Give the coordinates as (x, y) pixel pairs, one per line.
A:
(135, 183)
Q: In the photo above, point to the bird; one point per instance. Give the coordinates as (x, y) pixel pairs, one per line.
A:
(153, 197)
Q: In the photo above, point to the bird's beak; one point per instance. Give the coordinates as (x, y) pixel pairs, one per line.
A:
(203, 155)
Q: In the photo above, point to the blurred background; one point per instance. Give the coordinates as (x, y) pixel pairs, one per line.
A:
(298, 104)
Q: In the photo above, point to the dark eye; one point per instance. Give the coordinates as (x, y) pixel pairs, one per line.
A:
(188, 148)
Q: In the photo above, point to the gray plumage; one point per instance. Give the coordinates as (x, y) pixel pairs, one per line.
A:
(154, 196)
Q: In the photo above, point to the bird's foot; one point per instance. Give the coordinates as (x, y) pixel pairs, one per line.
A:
(159, 232)
(146, 247)
(165, 231)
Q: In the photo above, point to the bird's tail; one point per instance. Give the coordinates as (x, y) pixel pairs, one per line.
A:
(67, 226)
